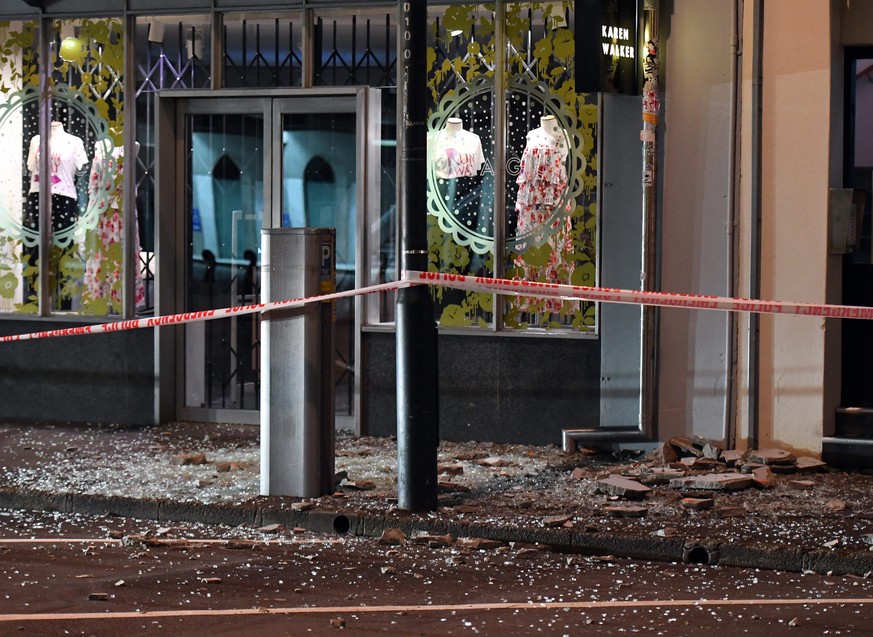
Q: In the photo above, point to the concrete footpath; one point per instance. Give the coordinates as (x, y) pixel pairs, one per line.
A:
(690, 503)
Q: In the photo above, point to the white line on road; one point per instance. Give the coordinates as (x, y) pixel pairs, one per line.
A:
(411, 608)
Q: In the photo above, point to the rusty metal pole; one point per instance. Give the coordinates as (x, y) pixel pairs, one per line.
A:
(649, 276)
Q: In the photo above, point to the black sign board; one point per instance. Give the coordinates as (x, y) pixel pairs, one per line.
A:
(608, 56)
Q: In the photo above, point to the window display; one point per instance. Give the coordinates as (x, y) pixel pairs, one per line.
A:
(535, 216)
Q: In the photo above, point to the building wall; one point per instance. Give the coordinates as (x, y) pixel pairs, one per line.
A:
(695, 228)
(796, 154)
(500, 389)
(104, 378)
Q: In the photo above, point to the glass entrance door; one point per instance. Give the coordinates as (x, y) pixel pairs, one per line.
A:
(253, 163)
(319, 189)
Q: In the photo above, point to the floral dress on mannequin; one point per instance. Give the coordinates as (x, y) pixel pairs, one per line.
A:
(103, 266)
(542, 183)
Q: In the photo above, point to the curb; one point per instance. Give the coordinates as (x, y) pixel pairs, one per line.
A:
(277, 511)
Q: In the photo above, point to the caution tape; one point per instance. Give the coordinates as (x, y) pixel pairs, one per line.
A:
(635, 297)
(515, 287)
(203, 315)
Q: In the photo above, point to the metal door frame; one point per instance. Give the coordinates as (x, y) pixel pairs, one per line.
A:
(172, 107)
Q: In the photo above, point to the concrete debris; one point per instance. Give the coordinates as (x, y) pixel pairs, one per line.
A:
(494, 462)
(272, 528)
(191, 458)
(771, 456)
(868, 538)
(805, 463)
(701, 463)
(627, 511)
(556, 520)
(732, 457)
(578, 474)
(451, 469)
(763, 477)
(447, 486)
(433, 541)
(801, 484)
(713, 481)
(393, 537)
(666, 532)
(729, 512)
(653, 475)
(622, 487)
(831, 544)
(387, 570)
(697, 504)
(477, 544)
(361, 485)
(836, 505)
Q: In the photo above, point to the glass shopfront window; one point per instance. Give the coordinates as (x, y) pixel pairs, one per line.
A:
(528, 211)
(62, 212)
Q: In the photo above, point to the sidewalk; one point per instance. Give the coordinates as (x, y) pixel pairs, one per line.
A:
(596, 503)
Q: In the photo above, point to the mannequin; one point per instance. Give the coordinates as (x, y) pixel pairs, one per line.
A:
(67, 157)
(106, 199)
(458, 152)
(542, 183)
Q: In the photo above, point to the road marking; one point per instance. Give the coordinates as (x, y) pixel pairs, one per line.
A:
(432, 608)
(165, 541)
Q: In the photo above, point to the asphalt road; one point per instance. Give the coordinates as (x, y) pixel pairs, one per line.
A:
(75, 575)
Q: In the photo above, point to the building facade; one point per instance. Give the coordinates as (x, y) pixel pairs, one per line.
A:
(175, 132)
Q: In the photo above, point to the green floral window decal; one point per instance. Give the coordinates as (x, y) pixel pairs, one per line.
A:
(549, 177)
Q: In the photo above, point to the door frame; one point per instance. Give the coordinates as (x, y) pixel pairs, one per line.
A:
(171, 109)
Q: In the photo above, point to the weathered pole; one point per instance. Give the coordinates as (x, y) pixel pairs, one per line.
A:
(417, 377)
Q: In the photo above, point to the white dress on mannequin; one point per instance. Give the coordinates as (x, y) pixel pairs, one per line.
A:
(542, 184)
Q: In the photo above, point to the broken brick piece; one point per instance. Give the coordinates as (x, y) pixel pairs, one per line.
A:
(477, 543)
(763, 477)
(627, 512)
(622, 487)
(713, 481)
(771, 456)
(806, 463)
(697, 504)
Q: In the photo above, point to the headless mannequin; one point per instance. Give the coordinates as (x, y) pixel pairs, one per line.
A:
(458, 152)
(67, 158)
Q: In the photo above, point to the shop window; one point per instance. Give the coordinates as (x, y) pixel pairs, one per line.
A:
(543, 196)
(75, 213)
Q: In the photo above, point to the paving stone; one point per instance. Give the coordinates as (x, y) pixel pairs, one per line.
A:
(622, 487)
(732, 457)
(714, 481)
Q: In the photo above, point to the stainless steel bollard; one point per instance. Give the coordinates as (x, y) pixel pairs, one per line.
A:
(297, 363)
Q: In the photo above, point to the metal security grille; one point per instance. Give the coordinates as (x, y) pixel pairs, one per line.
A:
(353, 51)
(169, 54)
(262, 53)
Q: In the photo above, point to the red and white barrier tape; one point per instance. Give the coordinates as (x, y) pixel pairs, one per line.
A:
(204, 315)
(482, 284)
(636, 297)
